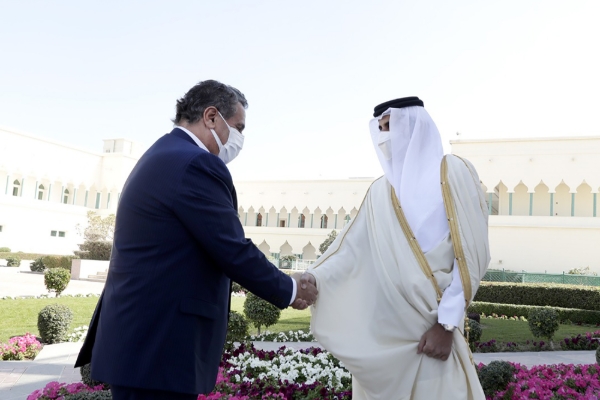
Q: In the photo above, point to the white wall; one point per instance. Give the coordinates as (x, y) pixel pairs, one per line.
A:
(544, 244)
(27, 223)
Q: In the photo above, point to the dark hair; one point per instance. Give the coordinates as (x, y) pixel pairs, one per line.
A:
(205, 94)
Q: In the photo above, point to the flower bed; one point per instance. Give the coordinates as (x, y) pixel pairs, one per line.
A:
(290, 336)
(555, 382)
(248, 373)
(79, 334)
(20, 348)
(57, 390)
(588, 341)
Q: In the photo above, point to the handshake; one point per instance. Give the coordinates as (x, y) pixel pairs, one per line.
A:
(306, 293)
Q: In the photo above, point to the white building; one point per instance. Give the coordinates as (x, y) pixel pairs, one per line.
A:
(542, 196)
(48, 188)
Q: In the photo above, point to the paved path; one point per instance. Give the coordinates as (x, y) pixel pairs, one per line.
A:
(21, 281)
(55, 362)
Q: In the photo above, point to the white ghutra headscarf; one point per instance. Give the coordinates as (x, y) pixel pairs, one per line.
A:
(410, 155)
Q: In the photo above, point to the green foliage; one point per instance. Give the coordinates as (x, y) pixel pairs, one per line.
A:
(474, 316)
(540, 294)
(37, 265)
(94, 250)
(53, 323)
(496, 376)
(13, 261)
(4, 249)
(98, 229)
(285, 262)
(475, 331)
(56, 280)
(543, 323)
(564, 314)
(97, 237)
(598, 355)
(236, 287)
(237, 327)
(325, 245)
(21, 255)
(51, 262)
(86, 377)
(101, 395)
(260, 312)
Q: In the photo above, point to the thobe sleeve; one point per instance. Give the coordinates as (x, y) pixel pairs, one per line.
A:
(451, 310)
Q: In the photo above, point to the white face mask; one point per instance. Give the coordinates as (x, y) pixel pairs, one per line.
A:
(385, 144)
(232, 148)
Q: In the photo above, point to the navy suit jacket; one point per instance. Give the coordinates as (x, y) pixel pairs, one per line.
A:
(162, 318)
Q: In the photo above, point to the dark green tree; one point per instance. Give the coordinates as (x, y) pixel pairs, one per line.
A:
(325, 245)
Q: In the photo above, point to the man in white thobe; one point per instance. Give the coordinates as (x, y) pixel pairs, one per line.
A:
(395, 284)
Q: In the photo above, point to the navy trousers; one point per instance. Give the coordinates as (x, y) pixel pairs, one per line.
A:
(129, 393)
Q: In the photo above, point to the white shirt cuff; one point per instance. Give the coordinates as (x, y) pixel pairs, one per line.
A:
(451, 310)
(294, 290)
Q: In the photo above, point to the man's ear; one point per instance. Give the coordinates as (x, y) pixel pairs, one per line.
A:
(210, 113)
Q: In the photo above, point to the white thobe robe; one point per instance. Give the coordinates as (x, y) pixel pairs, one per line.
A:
(376, 301)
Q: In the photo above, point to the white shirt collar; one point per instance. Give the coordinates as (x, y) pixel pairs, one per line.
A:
(194, 137)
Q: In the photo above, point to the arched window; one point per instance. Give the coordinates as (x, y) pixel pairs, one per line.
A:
(301, 221)
(16, 187)
(66, 196)
(40, 194)
(324, 221)
(259, 219)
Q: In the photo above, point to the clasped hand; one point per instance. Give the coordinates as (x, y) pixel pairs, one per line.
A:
(306, 290)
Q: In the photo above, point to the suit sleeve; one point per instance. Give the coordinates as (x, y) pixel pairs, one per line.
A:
(204, 205)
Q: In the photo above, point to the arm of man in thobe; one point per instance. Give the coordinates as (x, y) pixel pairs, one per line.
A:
(437, 342)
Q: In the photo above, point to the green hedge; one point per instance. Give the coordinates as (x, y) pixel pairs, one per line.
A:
(52, 262)
(24, 256)
(540, 294)
(511, 310)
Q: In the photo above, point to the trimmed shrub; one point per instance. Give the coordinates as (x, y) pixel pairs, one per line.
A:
(237, 327)
(475, 331)
(101, 395)
(496, 376)
(4, 249)
(540, 294)
(543, 323)
(13, 261)
(56, 280)
(51, 262)
(564, 314)
(37, 265)
(260, 312)
(53, 323)
(474, 316)
(94, 250)
(86, 377)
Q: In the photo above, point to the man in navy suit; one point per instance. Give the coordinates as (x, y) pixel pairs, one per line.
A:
(159, 328)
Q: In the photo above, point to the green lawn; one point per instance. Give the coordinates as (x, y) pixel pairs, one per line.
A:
(518, 331)
(291, 320)
(20, 316)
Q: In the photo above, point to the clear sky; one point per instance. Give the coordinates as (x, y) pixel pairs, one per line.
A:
(82, 71)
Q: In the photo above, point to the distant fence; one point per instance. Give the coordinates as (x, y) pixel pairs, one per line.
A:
(529, 277)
